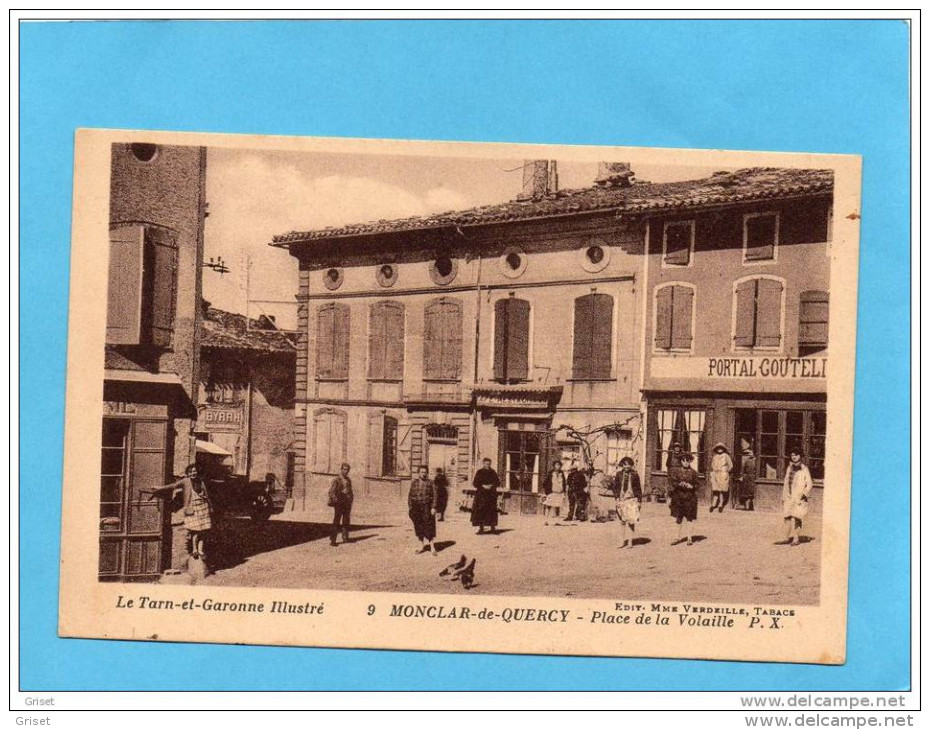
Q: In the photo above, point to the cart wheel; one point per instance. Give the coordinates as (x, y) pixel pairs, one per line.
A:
(261, 507)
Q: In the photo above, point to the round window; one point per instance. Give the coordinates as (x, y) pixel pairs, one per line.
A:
(386, 274)
(594, 256)
(332, 278)
(143, 151)
(513, 262)
(443, 269)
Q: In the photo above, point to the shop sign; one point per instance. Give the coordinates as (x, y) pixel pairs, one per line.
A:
(220, 418)
(741, 368)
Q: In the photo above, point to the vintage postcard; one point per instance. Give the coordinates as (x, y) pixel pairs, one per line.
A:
(460, 397)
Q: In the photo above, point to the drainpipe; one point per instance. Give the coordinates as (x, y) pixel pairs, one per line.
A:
(474, 413)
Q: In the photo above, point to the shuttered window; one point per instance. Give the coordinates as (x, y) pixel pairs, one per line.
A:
(332, 352)
(813, 321)
(386, 341)
(678, 242)
(511, 340)
(760, 236)
(593, 334)
(674, 320)
(758, 313)
(329, 440)
(382, 445)
(142, 285)
(442, 340)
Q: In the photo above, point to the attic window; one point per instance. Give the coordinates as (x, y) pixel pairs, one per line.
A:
(513, 260)
(386, 274)
(332, 278)
(444, 266)
(595, 254)
(443, 270)
(143, 151)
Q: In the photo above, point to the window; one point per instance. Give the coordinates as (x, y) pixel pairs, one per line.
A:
(593, 346)
(332, 338)
(386, 341)
(773, 433)
(520, 458)
(442, 340)
(332, 278)
(619, 444)
(382, 445)
(329, 440)
(513, 262)
(113, 473)
(142, 286)
(386, 275)
(674, 317)
(760, 236)
(594, 256)
(683, 426)
(511, 340)
(227, 382)
(677, 243)
(758, 313)
(443, 269)
(813, 321)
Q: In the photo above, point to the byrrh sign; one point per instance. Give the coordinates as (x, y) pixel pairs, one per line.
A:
(220, 418)
(738, 368)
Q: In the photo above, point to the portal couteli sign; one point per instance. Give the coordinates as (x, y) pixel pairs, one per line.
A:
(221, 418)
(741, 368)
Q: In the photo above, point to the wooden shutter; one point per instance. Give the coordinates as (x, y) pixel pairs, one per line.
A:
(164, 272)
(321, 440)
(124, 288)
(433, 339)
(768, 313)
(452, 339)
(602, 337)
(377, 341)
(337, 440)
(682, 303)
(582, 352)
(760, 237)
(814, 318)
(375, 443)
(325, 340)
(744, 334)
(340, 367)
(518, 339)
(501, 312)
(663, 338)
(678, 243)
(394, 341)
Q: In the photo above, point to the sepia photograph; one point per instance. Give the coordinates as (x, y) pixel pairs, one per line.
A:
(453, 372)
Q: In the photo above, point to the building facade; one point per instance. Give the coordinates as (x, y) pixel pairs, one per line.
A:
(246, 403)
(152, 343)
(496, 333)
(736, 323)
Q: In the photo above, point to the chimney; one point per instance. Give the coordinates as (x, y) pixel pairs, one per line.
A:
(613, 175)
(540, 179)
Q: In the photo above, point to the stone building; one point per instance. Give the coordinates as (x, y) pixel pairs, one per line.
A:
(152, 342)
(246, 403)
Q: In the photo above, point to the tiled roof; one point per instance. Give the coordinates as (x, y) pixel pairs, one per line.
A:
(226, 330)
(741, 186)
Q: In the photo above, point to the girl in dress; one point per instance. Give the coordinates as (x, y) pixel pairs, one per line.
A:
(554, 487)
(795, 495)
(629, 493)
(720, 467)
(683, 482)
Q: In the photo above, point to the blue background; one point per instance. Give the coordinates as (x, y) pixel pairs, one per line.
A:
(819, 86)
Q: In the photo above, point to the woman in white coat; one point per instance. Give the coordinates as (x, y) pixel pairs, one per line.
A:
(795, 496)
(720, 467)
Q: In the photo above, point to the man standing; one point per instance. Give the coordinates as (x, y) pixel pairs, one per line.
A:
(421, 505)
(442, 494)
(484, 507)
(340, 499)
(577, 496)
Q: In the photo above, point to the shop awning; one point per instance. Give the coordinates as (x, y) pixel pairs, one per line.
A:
(208, 447)
(142, 376)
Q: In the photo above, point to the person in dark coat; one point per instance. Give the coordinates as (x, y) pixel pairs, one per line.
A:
(442, 493)
(421, 505)
(484, 506)
(340, 499)
(747, 485)
(683, 482)
(577, 494)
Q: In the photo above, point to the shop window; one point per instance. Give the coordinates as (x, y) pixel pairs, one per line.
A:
(757, 313)
(813, 322)
(773, 433)
(511, 340)
(332, 349)
(113, 473)
(674, 317)
(520, 459)
(619, 444)
(442, 340)
(593, 337)
(386, 341)
(683, 426)
(760, 236)
(677, 243)
(142, 285)
(382, 445)
(329, 440)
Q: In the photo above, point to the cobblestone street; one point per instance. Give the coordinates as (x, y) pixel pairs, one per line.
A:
(733, 559)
